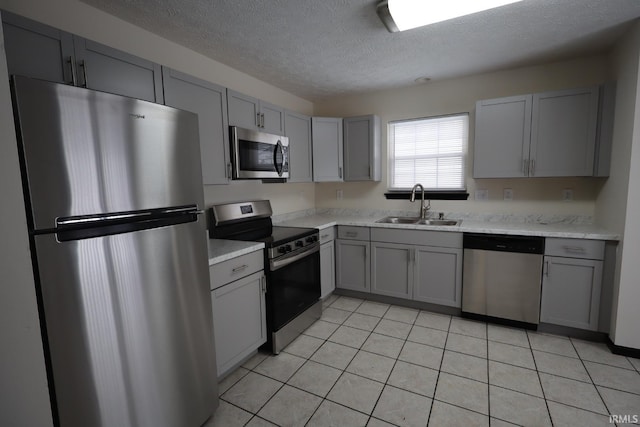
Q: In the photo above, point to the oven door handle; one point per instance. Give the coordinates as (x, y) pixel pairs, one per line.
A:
(276, 264)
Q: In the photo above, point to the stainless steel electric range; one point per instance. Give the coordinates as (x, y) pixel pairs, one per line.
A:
(292, 266)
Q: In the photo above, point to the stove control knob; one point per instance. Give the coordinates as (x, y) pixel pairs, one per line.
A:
(288, 248)
(299, 243)
(282, 249)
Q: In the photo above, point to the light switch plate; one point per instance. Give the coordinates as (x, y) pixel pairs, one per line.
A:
(508, 194)
(567, 194)
(338, 194)
(482, 194)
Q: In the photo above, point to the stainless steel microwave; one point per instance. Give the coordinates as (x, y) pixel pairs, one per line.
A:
(258, 155)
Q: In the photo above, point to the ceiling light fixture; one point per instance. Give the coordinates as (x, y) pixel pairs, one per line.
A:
(401, 15)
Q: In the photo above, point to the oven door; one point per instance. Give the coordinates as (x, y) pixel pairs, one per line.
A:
(258, 155)
(293, 285)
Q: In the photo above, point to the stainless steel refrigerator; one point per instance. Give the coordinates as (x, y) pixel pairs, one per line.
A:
(113, 194)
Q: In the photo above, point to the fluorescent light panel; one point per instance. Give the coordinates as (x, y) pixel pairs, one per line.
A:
(407, 14)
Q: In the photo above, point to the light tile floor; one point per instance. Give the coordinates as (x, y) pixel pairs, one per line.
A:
(370, 364)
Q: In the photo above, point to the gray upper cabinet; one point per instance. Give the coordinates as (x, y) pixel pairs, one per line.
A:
(209, 101)
(297, 127)
(251, 113)
(563, 133)
(540, 135)
(327, 149)
(362, 148)
(502, 137)
(37, 50)
(110, 70)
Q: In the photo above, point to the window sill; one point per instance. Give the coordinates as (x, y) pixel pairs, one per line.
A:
(428, 195)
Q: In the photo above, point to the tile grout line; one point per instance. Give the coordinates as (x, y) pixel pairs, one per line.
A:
(544, 395)
(439, 371)
(591, 378)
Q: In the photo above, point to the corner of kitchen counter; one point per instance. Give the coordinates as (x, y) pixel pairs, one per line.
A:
(222, 250)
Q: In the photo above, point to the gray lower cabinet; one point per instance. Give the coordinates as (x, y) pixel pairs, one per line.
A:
(252, 113)
(297, 127)
(37, 50)
(239, 313)
(327, 149)
(327, 261)
(209, 101)
(362, 148)
(392, 269)
(572, 282)
(438, 275)
(353, 259)
(419, 265)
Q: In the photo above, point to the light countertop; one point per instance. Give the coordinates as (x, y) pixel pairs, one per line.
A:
(222, 250)
(563, 230)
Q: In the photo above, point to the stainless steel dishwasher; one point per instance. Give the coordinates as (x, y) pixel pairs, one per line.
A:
(502, 276)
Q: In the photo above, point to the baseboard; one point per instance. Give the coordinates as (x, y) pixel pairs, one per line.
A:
(623, 351)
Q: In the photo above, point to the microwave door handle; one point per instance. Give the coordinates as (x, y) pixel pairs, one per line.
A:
(278, 165)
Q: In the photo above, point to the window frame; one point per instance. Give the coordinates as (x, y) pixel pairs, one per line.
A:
(434, 193)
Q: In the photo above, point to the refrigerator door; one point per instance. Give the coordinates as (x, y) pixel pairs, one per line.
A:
(87, 152)
(129, 327)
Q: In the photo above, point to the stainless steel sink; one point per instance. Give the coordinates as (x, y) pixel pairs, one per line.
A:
(417, 221)
(399, 220)
(438, 222)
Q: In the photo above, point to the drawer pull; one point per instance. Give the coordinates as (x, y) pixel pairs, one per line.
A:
(351, 234)
(323, 236)
(574, 249)
(239, 268)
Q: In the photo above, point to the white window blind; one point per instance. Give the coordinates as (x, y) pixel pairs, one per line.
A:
(428, 151)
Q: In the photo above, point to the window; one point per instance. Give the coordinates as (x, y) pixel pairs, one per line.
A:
(429, 151)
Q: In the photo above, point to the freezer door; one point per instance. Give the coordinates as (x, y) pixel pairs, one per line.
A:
(87, 152)
(129, 327)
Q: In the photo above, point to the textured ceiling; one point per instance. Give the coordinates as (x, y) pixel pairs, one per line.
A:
(321, 48)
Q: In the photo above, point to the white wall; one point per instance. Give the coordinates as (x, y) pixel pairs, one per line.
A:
(536, 195)
(618, 204)
(24, 396)
(84, 20)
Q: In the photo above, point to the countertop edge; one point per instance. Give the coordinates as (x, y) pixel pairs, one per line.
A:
(522, 229)
(222, 250)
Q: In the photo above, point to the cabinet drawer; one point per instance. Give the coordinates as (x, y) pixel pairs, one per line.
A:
(574, 248)
(353, 233)
(327, 235)
(443, 239)
(233, 269)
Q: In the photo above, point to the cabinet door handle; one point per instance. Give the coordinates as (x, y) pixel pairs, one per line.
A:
(228, 170)
(258, 119)
(546, 268)
(340, 172)
(262, 120)
(73, 71)
(525, 167)
(532, 168)
(263, 284)
(239, 268)
(83, 64)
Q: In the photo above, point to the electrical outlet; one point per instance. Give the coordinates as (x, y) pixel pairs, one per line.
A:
(338, 194)
(567, 194)
(482, 194)
(507, 194)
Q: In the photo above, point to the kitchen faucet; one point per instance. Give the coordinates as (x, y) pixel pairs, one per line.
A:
(423, 208)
